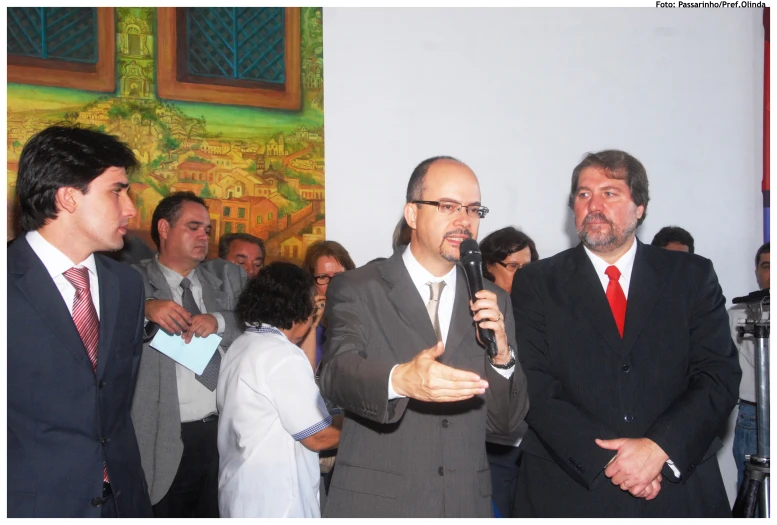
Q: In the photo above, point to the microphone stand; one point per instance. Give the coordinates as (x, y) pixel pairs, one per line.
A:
(754, 493)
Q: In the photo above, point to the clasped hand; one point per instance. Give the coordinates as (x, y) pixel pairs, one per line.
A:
(636, 467)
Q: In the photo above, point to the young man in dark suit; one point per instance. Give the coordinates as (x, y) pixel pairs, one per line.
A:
(75, 328)
(631, 368)
(403, 360)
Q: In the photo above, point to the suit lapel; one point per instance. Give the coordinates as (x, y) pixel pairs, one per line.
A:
(109, 309)
(159, 287)
(644, 290)
(461, 318)
(212, 295)
(408, 304)
(585, 289)
(38, 287)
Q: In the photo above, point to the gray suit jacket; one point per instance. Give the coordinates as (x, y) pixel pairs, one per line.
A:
(155, 411)
(407, 458)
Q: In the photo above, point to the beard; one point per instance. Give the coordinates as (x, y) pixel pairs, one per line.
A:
(456, 255)
(598, 237)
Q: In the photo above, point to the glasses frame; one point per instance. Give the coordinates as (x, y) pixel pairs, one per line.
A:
(324, 276)
(480, 211)
(506, 266)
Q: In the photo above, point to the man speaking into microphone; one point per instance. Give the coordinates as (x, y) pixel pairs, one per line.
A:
(404, 361)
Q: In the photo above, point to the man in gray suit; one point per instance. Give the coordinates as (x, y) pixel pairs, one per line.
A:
(417, 410)
(174, 410)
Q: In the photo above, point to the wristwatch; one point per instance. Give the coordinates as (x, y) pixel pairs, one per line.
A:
(507, 365)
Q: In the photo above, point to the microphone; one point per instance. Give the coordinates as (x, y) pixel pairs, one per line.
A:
(472, 262)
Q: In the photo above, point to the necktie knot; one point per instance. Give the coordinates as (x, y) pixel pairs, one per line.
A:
(613, 273)
(186, 283)
(78, 277)
(436, 290)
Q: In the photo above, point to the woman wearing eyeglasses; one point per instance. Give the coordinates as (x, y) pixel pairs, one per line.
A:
(323, 260)
(504, 253)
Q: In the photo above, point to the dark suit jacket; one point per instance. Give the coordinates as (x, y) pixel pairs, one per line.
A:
(672, 378)
(63, 422)
(404, 458)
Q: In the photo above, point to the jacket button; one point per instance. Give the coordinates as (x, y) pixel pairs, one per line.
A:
(104, 441)
(101, 385)
(626, 368)
(96, 502)
(440, 471)
(628, 418)
(445, 423)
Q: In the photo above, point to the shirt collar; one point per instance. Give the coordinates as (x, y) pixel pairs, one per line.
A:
(420, 275)
(625, 264)
(174, 278)
(55, 261)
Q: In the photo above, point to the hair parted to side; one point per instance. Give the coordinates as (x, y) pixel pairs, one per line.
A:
(669, 234)
(323, 249)
(280, 295)
(499, 244)
(415, 186)
(227, 239)
(618, 165)
(63, 156)
(169, 209)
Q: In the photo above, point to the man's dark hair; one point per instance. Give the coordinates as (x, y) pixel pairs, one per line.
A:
(618, 165)
(280, 295)
(415, 186)
(227, 239)
(61, 156)
(501, 243)
(169, 209)
(327, 248)
(762, 250)
(669, 234)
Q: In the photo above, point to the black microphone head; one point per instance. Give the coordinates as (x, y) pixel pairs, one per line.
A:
(469, 251)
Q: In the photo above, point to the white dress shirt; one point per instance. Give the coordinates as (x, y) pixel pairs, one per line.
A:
(420, 276)
(625, 265)
(194, 400)
(57, 263)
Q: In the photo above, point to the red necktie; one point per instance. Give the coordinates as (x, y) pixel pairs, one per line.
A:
(85, 319)
(616, 297)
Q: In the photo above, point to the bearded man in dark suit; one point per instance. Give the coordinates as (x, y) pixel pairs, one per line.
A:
(631, 368)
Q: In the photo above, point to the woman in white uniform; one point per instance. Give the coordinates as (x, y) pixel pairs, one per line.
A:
(272, 419)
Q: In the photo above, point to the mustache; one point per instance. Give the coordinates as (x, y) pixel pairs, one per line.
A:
(460, 231)
(596, 216)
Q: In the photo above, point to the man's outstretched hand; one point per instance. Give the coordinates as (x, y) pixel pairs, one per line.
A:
(426, 379)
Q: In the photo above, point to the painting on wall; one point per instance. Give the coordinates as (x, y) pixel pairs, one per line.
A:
(224, 102)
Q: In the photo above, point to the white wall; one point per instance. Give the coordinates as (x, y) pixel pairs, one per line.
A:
(520, 94)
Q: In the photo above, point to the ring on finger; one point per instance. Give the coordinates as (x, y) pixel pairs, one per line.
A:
(499, 318)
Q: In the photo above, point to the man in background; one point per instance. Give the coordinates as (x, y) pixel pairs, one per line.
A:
(673, 238)
(75, 333)
(745, 433)
(174, 410)
(244, 250)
